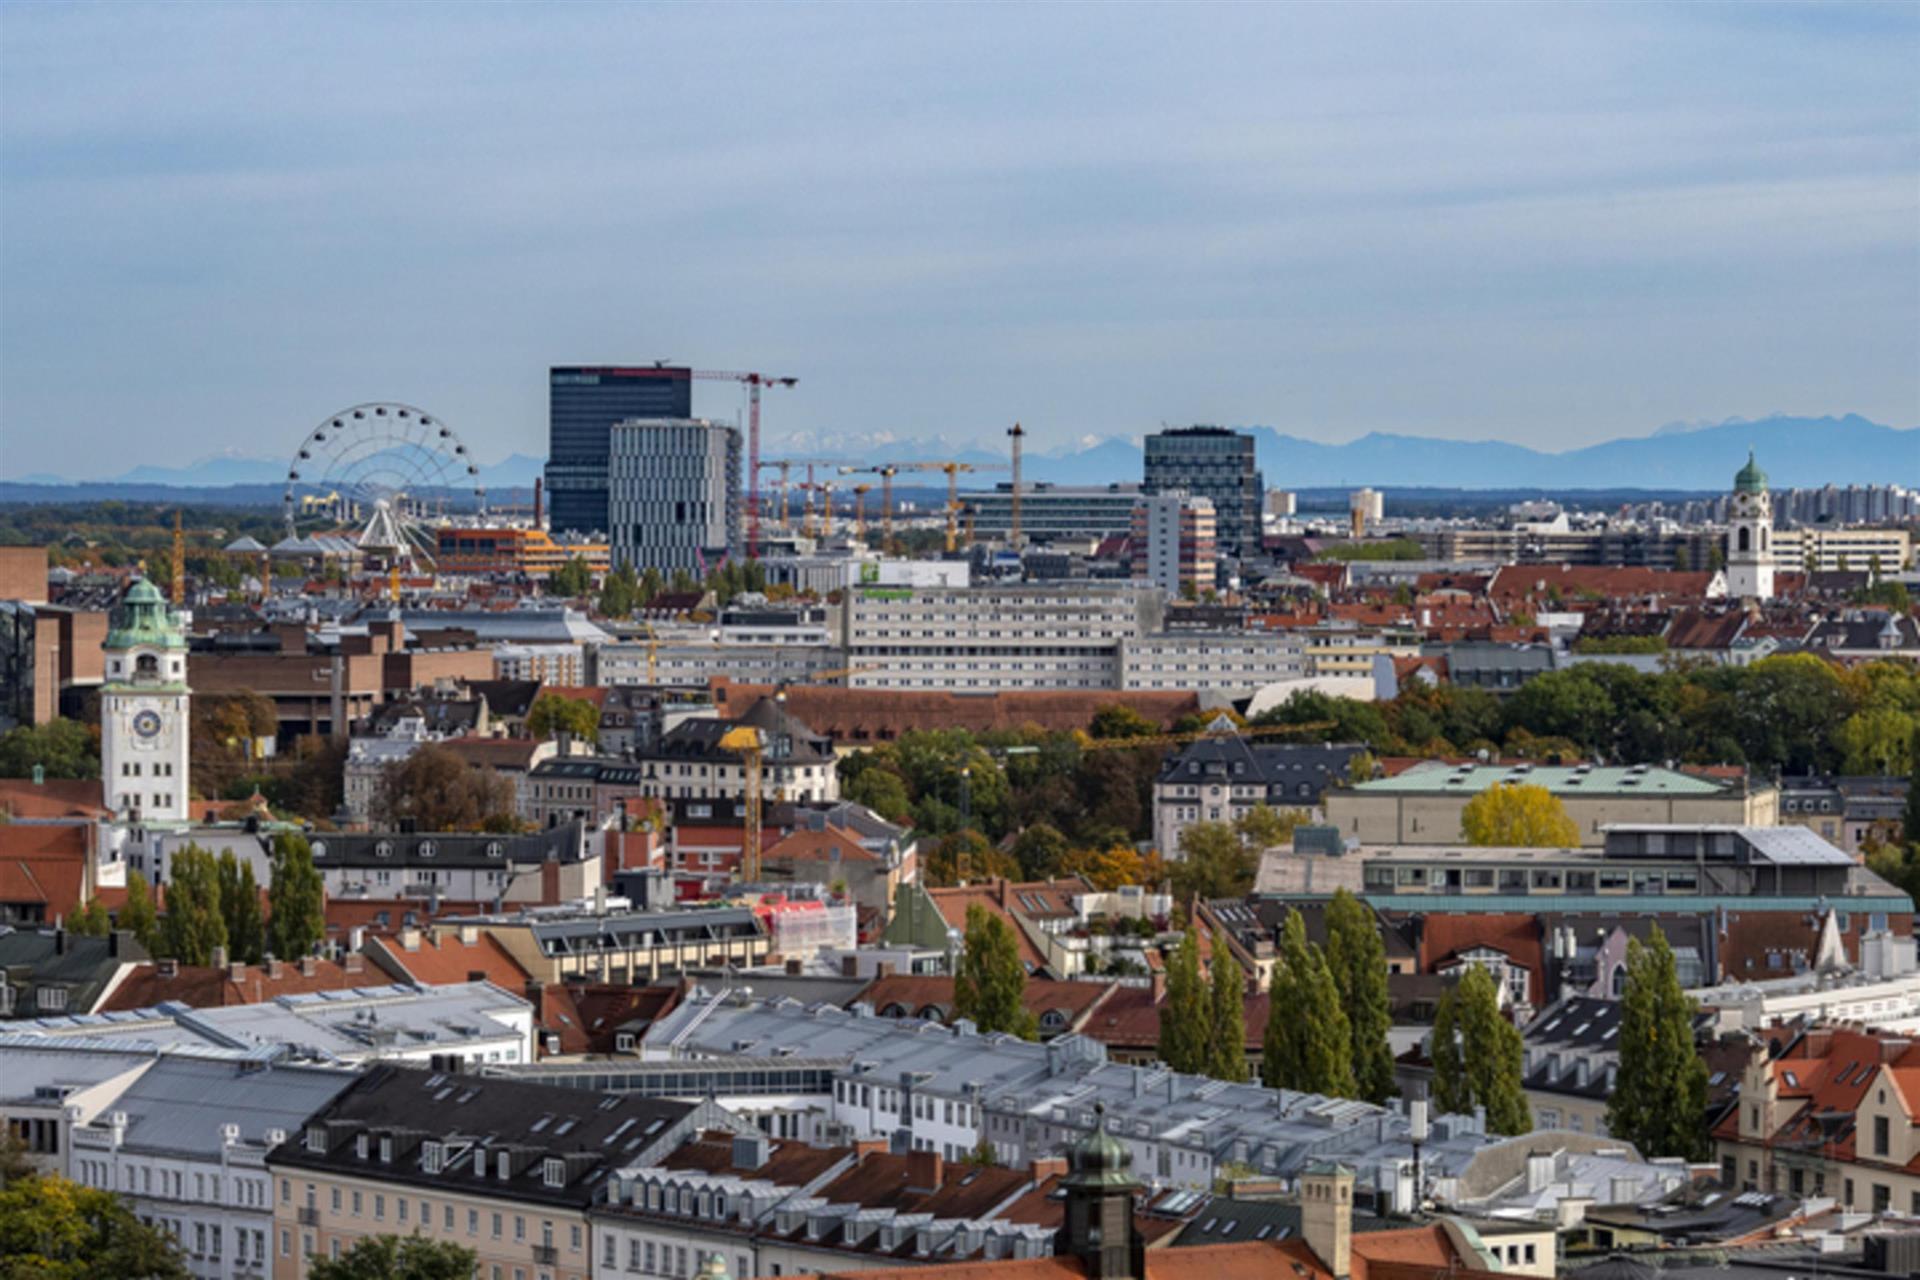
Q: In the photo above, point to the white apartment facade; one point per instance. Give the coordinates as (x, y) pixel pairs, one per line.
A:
(1055, 636)
(563, 664)
(1233, 664)
(673, 493)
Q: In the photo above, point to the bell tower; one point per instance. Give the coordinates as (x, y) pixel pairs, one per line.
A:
(1100, 1187)
(143, 711)
(1750, 535)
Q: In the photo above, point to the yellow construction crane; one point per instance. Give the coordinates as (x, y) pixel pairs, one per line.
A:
(744, 740)
(653, 654)
(860, 492)
(953, 470)
(785, 467)
(886, 472)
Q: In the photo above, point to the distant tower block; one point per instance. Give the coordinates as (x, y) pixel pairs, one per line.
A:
(1750, 535)
(1282, 503)
(1366, 506)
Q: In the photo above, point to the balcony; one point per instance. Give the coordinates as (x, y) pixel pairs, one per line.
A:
(546, 1255)
(309, 1216)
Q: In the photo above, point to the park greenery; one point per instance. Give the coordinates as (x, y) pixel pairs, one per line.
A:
(990, 985)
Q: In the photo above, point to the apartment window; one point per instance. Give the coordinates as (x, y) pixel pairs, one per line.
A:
(1880, 1135)
(496, 1226)
(336, 1199)
(473, 1222)
(356, 1204)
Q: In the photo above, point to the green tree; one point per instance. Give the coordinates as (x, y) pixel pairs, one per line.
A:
(1039, 850)
(1877, 741)
(240, 908)
(620, 593)
(1263, 827)
(1659, 1100)
(194, 924)
(1910, 815)
(1119, 720)
(1358, 959)
(53, 1229)
(571, 580)
(991, 985)
(61, 749)
(391, 1257)
(137, 915)
(1478, 1056)
(1308, 1044)
(651, 584)
(439, 791)
(554, 714)
(1227, 1016)
(296, 900)
(883, 791)
(90, 921)
(1185, 1016)
(1518, 816)
(1214, 863)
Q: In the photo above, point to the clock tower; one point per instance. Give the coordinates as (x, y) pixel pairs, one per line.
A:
(1750, 535)
(143, 711)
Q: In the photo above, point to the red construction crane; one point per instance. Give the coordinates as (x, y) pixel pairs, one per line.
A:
(753, 382)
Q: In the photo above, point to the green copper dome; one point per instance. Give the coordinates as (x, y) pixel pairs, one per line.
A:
(1751, 479)
(145, 621)
(1100, 1159)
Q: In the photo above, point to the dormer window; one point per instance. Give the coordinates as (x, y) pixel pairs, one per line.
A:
(360, 1146)
(495, 849)
(555, 1172)
(383, 849)
(433, 1157)
(386, 1150)
(503, 1166)
(318, 848)
(317, 1140)
(427, 849)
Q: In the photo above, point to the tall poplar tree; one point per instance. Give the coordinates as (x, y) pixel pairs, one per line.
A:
(1308, 1044)
(1227, 1016)
(1659, 1100)
(1185, 1017)
(193, 925)
(992, 981)
(1478, 1056)
(296, 900)
(240, 908)
(1358, 959)
(137, 915)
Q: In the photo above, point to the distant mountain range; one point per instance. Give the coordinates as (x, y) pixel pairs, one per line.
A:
(1803, 452)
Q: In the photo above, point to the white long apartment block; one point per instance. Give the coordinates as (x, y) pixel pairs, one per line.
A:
(694, 663)
(1053, 636)
(1234, 664)
(948, 1089)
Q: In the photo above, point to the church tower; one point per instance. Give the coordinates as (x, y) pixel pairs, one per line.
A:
(1750, 535)
(143, 711)
(1100, 1187)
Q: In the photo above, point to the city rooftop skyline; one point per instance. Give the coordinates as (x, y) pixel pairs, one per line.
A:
(1548, 226)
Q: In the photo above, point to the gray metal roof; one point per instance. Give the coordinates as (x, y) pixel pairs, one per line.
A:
(181, 1102)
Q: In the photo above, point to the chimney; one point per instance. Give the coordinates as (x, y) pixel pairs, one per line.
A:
(353, 962)
(469, 935)
(924, 1171)
(1326, 1216)
(308, 966)
(1050, 1167)
(219, 957)
(59, 942)
(793, 967)
(534, 988)
(113, 943)
(273, 969)
(409, 939)
(167, 968)
(356, 937)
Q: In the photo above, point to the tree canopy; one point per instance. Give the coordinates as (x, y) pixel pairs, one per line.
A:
(389, 1257)
(1186, 1011)
(1518, 816)
(296, 899)
(1358, 960)
(1659, 1100)
(61, 748)
(54, 1229)
(438, 791)
(194, 924)
(1478, 1056)
(555, 713)
(1308, 1044)
(991, 983)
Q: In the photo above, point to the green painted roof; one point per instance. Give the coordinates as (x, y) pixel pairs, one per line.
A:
(1750, 478)
(1619, 904)
(145, 621)
(1438, 778)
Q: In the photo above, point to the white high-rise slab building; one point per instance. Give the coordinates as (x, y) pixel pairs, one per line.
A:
(673, 493)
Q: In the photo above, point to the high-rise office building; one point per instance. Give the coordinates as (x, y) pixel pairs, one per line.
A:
(1218, 465)
(1173, 543)
(584, 401)
(673, 493)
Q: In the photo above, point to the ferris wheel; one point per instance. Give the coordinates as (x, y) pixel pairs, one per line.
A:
(389, 471)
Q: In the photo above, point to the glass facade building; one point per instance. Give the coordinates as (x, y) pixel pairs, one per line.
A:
(1216, 464)
(584, 401)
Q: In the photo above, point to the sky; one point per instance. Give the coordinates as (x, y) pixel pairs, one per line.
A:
(1547, 224)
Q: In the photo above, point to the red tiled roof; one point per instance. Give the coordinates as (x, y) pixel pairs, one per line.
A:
(806, 845)
(45, 865)
(205, 987)
(54, 798)
(1130, 1019)
(1446, 935)
(440, 956)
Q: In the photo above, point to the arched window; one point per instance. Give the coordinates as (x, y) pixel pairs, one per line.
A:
(146, 667)
(1619, 982)
(1745, 538)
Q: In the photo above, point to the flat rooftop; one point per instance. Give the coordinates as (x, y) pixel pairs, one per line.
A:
(1439, 778)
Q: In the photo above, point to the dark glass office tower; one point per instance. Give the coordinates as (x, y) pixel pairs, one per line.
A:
(1212, 463)
(583, 404)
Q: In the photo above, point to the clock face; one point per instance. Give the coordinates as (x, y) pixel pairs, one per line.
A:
(147, 724)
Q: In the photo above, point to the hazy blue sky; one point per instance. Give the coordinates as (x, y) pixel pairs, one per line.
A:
(1548, 224)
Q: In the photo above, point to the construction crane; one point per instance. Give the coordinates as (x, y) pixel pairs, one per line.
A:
(745, 741)
(886, 472)
(953, 470)
(755, 383)
(786, 466)
(860, 492)
(1013, 535)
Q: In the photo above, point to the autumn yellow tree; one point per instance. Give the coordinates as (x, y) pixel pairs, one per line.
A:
(1518, 816)
(1112, 867)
